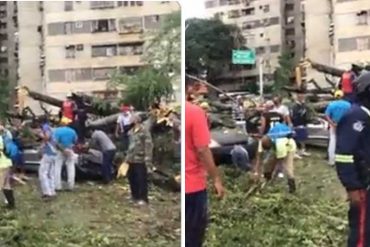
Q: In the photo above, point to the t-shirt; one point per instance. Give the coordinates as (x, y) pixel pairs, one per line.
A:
(197, 135)
(272, 118)
(336, 109)
(300, 114)
(65, 136)
(103, 142)
(282, 109)
(123, 120)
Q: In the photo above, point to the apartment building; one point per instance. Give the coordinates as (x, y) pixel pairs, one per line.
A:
(8, 56)
(69, 46)
(351, 32)
(268, 26)
(337, 34)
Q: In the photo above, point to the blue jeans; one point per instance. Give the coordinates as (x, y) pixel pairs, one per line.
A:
(240, 158)
(107, 166)
(196, 218)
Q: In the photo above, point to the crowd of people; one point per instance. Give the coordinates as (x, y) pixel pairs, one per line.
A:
(61, 144)
(279, 139)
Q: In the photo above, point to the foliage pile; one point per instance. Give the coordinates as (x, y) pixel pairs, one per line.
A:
(91, 216)
(274, 218)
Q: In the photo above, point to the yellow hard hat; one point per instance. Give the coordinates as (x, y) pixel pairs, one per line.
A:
(204, 105)
(65, 120)
(338, 94)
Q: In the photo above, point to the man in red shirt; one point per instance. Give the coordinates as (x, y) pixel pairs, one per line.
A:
(198, 162)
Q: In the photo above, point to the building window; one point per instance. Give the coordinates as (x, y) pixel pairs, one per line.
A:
(104, 51)
(130, 3)
(131, 49)
(70, 51)
(128, 70)
(152, 22)
(289, 31)
(99, 26)
(102, 73)
(3, 36)
(362, 17)
(233, 14)
(57, 75)
(68, 5)
(233, 2)
(224, 2)
(265, 8)
(80, 47)
(260, 50)
(2, 14)
(101, 4)
(130, 25)
(289, 7)
(275, 48)
(2, 25)
(289, 20)
(261, 35)
(248, 25)
(122, 3)
(249, 11)
(68, 27)
(345, 45)
(210, 4)
(363, 43)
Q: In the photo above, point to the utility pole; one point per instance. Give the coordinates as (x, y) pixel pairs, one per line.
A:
(261, 77)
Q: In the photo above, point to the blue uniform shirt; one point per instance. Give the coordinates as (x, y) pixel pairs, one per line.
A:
(337, 109)
(353, 148)
(65, 136)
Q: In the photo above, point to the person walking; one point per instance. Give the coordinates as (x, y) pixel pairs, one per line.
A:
(198, 162)
(47, 163)
(103, 143)
(352, 159)
(139, 157)
(334, 113)
(65, 138)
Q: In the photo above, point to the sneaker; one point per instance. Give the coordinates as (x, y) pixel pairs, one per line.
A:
(141, 203)
(304, 153)
(297, 156)
(281, 175)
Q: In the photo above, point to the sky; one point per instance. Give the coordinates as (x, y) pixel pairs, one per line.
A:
(193, 8)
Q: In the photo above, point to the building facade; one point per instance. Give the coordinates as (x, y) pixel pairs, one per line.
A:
(72, 46)
(352, 32)
(268, 26)
(337, 34)
(8, 43)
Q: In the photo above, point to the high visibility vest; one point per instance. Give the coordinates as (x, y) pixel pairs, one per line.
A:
(347, 83)
(68, 110)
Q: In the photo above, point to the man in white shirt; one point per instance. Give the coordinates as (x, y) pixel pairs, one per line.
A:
(123, 126)
(282, 109)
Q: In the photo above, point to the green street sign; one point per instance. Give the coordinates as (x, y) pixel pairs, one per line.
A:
(244, 57)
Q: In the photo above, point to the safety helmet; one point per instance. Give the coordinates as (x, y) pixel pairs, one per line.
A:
(338, 94)
(65, 121)
(362, 85)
